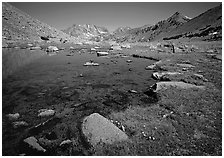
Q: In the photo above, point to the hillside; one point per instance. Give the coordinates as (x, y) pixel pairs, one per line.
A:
(17, 26)
(150, 32)
(203, 25)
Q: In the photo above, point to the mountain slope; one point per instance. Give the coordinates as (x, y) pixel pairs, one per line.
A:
(19, 26)
(207, 22)
(86, 31)
(150, 32)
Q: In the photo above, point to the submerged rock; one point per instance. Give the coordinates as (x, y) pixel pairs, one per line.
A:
(97, 128)
(32, 142)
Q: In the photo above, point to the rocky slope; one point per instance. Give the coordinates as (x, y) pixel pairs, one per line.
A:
(208, 24)
(18, 26)
(150, 32)
(86, 31)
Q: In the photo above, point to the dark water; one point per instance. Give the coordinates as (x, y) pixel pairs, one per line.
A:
(33, 81)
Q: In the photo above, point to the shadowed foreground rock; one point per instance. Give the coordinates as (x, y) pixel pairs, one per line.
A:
(98, 129)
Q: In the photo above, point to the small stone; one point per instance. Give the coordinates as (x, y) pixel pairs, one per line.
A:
(91, 64)
(80, 75)
(65, 142)
(129, 61)
(18, 124)
(13, 116)
(133, 91)
(102, 53)
(32, 142)
(45, 112)
(150, 67)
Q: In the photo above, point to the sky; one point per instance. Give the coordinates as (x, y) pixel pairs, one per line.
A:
(111, 15)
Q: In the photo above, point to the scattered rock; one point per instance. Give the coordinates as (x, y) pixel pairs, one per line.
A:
(210, 51)
(199, 76)
(163, 76)
(18, 124)
(98, 129)
(46, 112)
(102, 53)
(219, 57)
(125, 46)
(186, 65)
(116, 47)
(93, 49)
(13, 116)
(71, 48)
(52, 49)
(91, 64)
(164, 85)
(150, 67)
(32, 142)
(65, 142)
(35, 48)
(132, 91)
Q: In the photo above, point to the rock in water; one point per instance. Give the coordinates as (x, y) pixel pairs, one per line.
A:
(98, 129)
(102, 53)
(32, 142)
(164, 85)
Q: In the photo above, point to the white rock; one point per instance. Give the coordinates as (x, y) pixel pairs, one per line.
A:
(129, 61)
(35, 48)
(91, 64)
(177, 84)
(52, 49)
(13, 116)
(102, 53)
(18, 124)
(159, 75)
(116, 47)
(98, 129)
(92, 49)
(150, 67)
(46, 112)
(32, 141)
(71, 48)
(68, 141)
(186, 65)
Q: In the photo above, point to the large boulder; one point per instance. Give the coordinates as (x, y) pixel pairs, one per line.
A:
(177, 84)
(97, 128)
(164, 75)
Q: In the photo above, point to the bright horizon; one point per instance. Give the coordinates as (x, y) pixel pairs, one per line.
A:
(111, 15)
